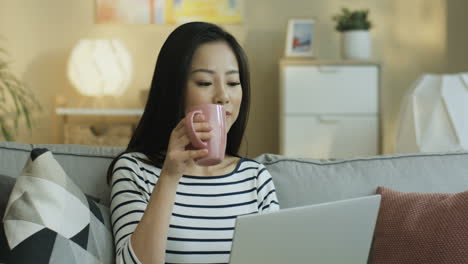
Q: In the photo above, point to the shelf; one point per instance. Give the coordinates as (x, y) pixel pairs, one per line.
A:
(99, 112)
(308, 61)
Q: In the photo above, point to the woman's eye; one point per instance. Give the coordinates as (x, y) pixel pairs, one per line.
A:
(233, 83)
(203, 83)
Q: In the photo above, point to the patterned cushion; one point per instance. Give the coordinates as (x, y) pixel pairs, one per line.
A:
(421, 228)
(48, 219)
(6, 185)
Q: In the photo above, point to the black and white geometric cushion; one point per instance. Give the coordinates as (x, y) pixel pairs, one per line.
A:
(48, 219)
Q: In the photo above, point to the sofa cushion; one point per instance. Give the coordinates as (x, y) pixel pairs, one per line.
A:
(305, 181)
(48, 219)
(4, 252)
(13, 156)
(85, 165)
(6, 185)
(421, 228)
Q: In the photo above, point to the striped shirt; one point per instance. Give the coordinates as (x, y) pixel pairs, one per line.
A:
(205, 210)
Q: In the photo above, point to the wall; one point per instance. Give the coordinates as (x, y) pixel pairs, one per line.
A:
(409, 37)
(40, 36)
(457, 36)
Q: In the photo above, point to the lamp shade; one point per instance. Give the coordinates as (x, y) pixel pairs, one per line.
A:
(98, 67)
(434, 115)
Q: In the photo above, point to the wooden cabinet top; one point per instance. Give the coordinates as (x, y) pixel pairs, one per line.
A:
(303, 61)
(92, 111)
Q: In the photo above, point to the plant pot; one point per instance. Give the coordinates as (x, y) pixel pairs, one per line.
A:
(356, 45)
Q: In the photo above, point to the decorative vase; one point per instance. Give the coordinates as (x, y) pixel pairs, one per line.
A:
(434, 115)
(356, 45)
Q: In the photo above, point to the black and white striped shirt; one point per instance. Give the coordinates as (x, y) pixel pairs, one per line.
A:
(205, 210)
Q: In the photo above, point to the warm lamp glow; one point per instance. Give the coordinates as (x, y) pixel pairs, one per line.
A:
(434, 117)
(99, 67)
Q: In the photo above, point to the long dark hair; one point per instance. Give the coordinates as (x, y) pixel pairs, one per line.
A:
(166, 100)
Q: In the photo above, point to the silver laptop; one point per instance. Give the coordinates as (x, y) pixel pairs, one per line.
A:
(334, 232)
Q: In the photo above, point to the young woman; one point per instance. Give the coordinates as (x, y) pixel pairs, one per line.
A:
(165, 208)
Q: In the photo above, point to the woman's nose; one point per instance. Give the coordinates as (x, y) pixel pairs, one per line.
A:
(221, 96)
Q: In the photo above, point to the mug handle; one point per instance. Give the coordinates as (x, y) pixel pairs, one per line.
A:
(196, 142)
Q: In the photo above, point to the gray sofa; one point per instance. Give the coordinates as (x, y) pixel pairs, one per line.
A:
(298, 181)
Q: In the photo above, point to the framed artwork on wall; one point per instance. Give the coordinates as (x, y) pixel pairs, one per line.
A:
(167, 11)
(300, 38)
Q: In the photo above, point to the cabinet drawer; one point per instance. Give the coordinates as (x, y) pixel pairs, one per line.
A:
(330, 136)
(330, 89)
(98, 135)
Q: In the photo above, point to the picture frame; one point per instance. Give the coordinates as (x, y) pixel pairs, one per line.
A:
(168, 11)
(300, 38)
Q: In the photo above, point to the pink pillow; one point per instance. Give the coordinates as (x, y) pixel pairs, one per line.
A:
(421, 228)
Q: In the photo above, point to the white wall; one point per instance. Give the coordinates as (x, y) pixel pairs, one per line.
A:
(409, 38)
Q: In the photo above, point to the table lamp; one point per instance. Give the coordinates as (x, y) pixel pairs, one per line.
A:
(100, 67)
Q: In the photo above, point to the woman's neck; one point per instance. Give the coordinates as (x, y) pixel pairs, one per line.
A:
(226, 166)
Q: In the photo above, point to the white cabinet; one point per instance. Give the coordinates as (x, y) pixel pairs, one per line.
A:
(329, 110)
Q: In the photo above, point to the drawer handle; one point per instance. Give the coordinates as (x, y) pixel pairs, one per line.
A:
(325, 69)
(328, 120)
(99, 129)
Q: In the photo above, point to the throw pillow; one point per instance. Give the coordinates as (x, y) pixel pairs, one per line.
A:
(6, 185)
(421, 228)
(48, 219)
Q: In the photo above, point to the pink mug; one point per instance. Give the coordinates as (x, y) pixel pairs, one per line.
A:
(215, 115)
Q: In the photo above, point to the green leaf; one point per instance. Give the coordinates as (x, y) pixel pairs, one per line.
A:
(6, 134)
(16, 99)
(2, 92)
(27, 116)
(3, 65)
(17, 108)
(352, 20)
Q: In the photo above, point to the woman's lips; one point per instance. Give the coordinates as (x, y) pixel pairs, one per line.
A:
(228, 113)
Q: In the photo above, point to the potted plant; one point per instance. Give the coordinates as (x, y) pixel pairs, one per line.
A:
(17, 102)
(355, 37)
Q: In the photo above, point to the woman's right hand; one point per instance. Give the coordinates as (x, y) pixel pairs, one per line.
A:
(177, 156)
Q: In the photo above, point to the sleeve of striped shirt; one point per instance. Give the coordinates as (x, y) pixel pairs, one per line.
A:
(127, 206)
(267, 200)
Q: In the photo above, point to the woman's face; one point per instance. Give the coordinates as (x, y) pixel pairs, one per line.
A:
(214, 79)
